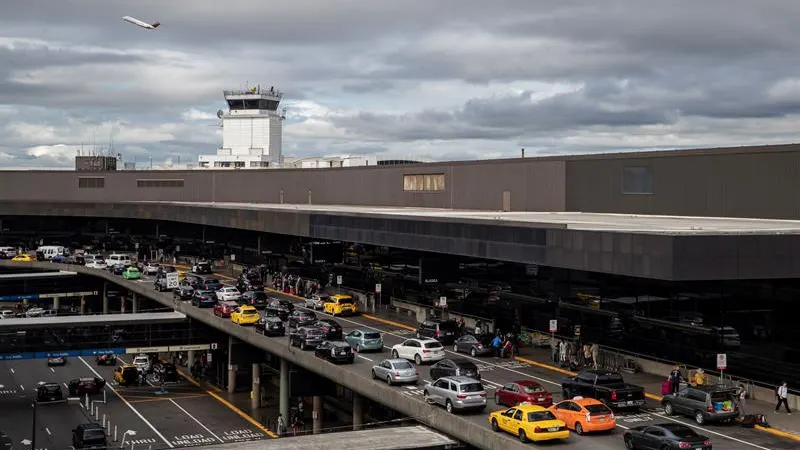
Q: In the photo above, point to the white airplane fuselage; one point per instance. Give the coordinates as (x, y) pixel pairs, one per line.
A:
(138, 22)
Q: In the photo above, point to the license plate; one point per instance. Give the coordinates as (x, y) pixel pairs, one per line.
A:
(552, 429)
(630, 402)
(541, 399)
(601, 419)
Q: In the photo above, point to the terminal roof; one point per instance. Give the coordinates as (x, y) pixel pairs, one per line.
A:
(623, 223)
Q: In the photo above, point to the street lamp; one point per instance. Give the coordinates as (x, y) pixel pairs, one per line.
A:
(33, 426)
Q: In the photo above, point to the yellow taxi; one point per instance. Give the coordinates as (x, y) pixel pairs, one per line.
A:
(585, 415)
(126, 375)
(24, 258)
(339, 305)
(529, 422)
(245, 315)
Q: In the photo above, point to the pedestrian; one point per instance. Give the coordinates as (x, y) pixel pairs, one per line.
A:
(461, 326)
(595, 354)
(497, 343)
(782, 393)
(562, 352)
(281, 425)
(675, 378)
(741, 395)
(554, 349)
(478, 330)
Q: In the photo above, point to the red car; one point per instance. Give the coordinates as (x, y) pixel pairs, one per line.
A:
(224, 309)
(518, 392)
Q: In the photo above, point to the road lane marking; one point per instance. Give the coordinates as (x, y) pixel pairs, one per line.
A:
(706, 430)
(195, 419)
(23, 387)
(152, 400)
(52, 370)
(135, 411)
(12, 370)
(364, 357)
(48, 431)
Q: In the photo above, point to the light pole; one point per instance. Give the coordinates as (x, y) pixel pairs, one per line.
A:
(33, 425)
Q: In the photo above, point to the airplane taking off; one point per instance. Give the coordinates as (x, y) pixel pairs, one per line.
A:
(139, 23)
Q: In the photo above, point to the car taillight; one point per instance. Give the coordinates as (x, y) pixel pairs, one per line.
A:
(708, 443)
(438, 333)
(426, 351)
(612, 416)
(397, 374)
(684, 445)
(588, 417)
(613, 395)
(537, 430)
(461, 396)
(483, 394)
(417, 372)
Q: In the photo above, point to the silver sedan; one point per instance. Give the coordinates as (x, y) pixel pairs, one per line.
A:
(395, 371)
(316, 301)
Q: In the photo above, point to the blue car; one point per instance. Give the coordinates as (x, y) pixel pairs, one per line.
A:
(364, 340)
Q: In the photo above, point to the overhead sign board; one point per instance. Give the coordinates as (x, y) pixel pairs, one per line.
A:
(67, 353)
(553, 325)
(186, 348)
(377, 288)
(443, 302)
(172, 280)
(338, 280)
(136, 350)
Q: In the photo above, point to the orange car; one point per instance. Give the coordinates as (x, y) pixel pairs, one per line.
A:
(584, 415)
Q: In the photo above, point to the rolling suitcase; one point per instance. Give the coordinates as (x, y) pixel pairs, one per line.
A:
(666, 388)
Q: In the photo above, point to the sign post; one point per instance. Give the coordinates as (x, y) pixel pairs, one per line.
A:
(339, 280)
(553, 329)
(378, 289)
(443, 304)
(722, 364)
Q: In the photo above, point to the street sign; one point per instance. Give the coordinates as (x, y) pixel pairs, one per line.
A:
(338, 280)
(172, 280)
(377, 288)
(208, 357)
(553, 325)
(233, 257)
(136, 246)
(214, 346)
(722, 361)
(443, 302)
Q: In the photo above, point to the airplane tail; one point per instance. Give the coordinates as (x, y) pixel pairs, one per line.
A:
(156, 24)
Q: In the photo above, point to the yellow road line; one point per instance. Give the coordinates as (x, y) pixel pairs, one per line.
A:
(780, 433)
(545, 366)
(388, 322)
(230, 406)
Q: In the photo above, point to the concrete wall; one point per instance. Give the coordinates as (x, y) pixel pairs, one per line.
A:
(430, 415)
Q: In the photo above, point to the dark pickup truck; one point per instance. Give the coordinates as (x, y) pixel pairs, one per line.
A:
(608, 387)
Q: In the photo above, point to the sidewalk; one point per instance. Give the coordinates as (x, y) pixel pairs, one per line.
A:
(782, 424)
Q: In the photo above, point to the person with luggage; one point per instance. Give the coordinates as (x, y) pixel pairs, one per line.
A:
(741, 395)
(782, 393)
(675, 378)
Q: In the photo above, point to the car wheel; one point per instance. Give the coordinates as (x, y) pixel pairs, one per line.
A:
(699, 418)
(473, 353)
(668, 409)
(417, 359)
(578, 428)
(448, 406)
(394, 354)
(389, 380)
(629, 443)
(495, 426)
(522, 436)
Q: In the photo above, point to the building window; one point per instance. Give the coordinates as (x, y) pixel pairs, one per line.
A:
(430, 182)
(91, 182)
(637, 180)
(161, 183)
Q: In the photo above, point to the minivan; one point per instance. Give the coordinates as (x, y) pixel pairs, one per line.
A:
(444, 331)
(118, 258)
(49, 251)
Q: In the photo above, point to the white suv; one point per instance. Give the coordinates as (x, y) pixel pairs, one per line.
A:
(419, 350)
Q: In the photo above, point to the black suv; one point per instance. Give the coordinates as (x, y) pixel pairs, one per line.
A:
(166, 372)
(306, 338)
(301, 318)
(249, 283)
(256, 299)
(330, 328)
(209, 284)
(89, 436)
(202, 266)
(444, 331)
(49, 392)
(83, 386)
(456, 367)
(335, 352)
(270, 326)
(185, 291)
(280, 303)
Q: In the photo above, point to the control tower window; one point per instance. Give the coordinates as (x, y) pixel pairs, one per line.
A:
(430, 182)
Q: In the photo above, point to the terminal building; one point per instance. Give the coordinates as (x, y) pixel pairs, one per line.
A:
(678, 255)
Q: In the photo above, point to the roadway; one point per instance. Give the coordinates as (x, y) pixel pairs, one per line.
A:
(495, 372)
(185, 416)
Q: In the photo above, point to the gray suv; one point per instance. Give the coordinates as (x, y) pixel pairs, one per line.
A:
(703, 403)
(456, 394)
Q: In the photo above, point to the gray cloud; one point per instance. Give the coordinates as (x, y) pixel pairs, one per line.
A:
(459, 78)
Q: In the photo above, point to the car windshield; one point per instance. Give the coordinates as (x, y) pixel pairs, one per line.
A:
(313, 332)
(540, 416)
(680, 431)
(400, 365)
(259, 295)
(597, 409)
(433, 345)
(372, 335)
(51, 387)
(345, 301)
(717, 397)
(532, 389)
(471, 387)
(90, 435)
(448, 326)
(249, 312)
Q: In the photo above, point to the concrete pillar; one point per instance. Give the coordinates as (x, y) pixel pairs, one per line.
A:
(232, 368)
(316, 414)
(285, 389)
(358, 412)
(135, 303)
(190, 360)
(122, 304)
(83, 305)
(255, 395)
(105, 297)
(56, 303)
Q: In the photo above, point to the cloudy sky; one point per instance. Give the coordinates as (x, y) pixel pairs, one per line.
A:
(431, 79)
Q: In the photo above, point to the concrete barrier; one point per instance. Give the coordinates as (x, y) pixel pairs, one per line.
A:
(430, 415)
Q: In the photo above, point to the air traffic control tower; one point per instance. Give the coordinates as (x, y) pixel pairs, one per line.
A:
(251, 130)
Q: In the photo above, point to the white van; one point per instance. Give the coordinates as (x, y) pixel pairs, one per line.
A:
(10, 252)
(118, 258)
(51, 250)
